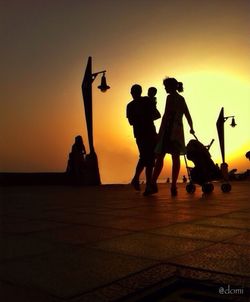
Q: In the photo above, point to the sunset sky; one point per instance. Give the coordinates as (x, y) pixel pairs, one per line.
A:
(44, 50)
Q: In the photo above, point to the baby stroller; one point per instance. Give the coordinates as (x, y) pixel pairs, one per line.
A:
(205, 170)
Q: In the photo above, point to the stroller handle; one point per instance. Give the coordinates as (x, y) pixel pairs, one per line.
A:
(195, 136)
(208, 146)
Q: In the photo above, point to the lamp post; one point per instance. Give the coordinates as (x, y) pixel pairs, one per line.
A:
(220, 129)
(93, 176)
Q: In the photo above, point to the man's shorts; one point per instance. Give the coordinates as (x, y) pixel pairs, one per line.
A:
(146, 146)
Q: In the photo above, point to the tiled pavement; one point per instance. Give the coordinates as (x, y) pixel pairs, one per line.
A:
(110, 243)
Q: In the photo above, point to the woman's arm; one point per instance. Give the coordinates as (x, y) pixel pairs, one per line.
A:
(189, 119)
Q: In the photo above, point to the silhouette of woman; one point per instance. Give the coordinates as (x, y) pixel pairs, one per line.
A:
(171, 134)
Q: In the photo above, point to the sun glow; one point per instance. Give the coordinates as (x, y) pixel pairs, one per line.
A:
(206, 92)
(45, 57)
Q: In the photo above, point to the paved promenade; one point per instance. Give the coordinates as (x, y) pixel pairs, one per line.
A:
(110, 243)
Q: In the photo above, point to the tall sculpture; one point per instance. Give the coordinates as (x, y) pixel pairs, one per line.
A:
(220, 129)
(93, 175)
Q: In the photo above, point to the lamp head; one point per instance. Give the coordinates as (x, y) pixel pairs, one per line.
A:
(233, 124)
(103, 87)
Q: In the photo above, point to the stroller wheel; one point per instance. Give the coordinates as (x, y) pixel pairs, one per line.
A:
(190, 188)
(207, 188)
(226, 187)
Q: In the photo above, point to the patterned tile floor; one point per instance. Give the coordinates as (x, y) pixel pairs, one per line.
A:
(106, 243)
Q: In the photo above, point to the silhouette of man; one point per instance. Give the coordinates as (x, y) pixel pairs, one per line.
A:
(248, 155)
(141, 113)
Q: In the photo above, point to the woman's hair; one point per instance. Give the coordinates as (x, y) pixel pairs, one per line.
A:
(172, 83)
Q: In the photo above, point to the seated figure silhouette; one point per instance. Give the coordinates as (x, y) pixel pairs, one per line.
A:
(76, 162)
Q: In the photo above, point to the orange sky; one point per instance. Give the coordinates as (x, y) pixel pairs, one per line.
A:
(44, 52)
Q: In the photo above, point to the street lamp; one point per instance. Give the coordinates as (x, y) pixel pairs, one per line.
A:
(103, 87)
(220, 129)
(89, 77)
(233, 124)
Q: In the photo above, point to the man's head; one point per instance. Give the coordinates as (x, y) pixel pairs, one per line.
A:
(136, 91)
(248, 155)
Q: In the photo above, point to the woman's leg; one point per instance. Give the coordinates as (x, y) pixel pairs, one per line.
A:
(175, 168)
